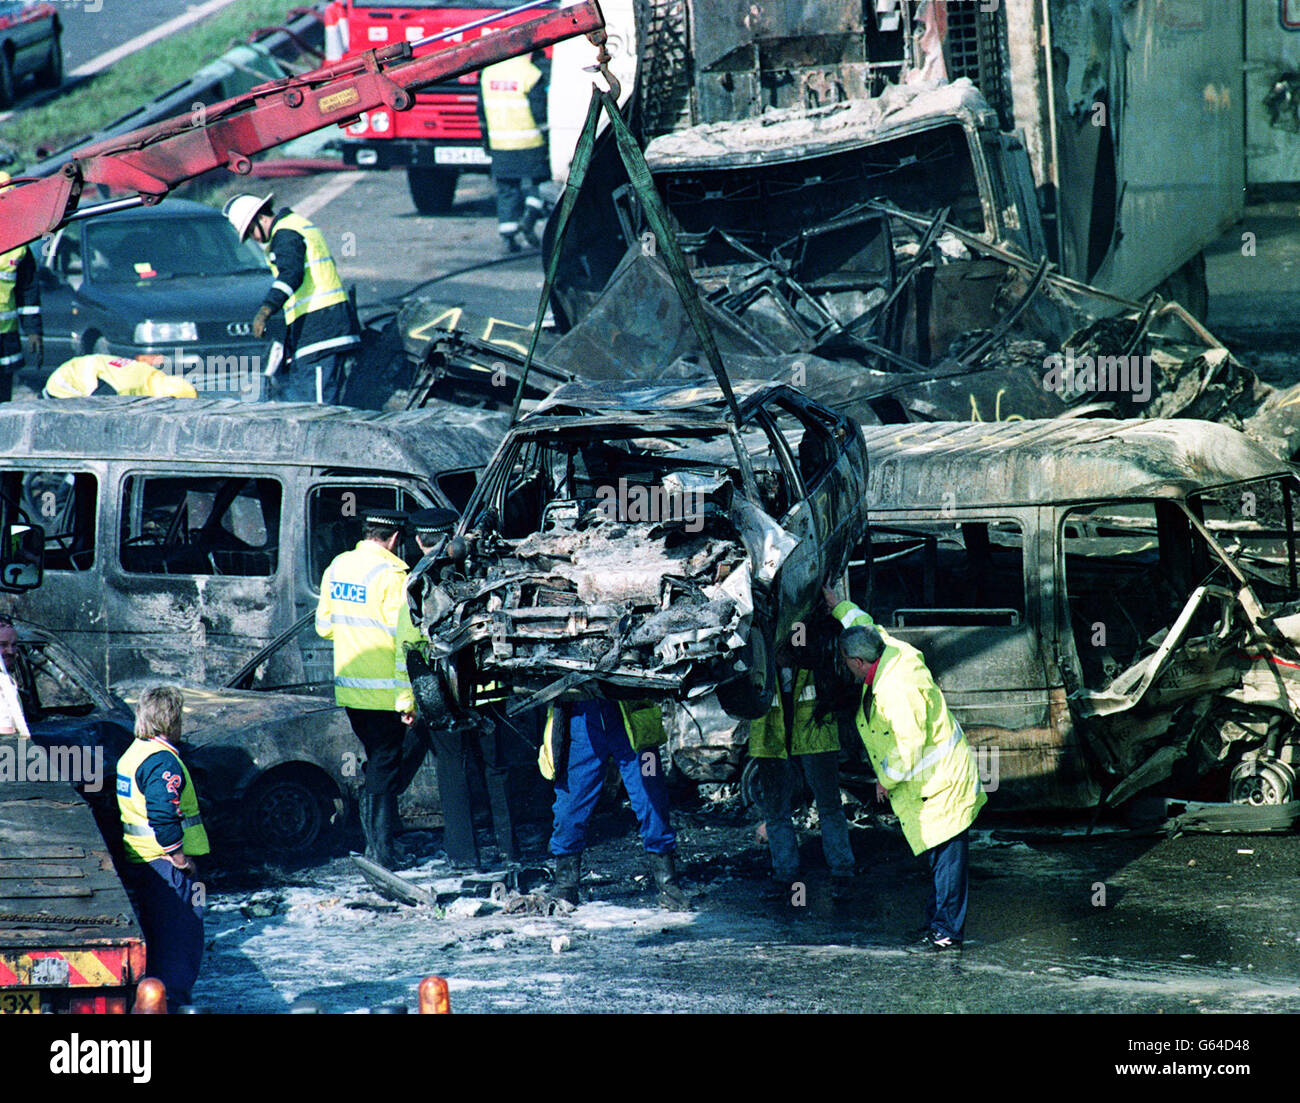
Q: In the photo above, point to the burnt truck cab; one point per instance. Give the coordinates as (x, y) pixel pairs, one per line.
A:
(637, 541)
(1107, 605)
(185, 536)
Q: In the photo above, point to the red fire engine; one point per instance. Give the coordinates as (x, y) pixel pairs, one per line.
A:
(439, 137)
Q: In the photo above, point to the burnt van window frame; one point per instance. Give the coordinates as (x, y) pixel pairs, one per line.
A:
(169, 547)
(65, 503)
(917, 564)
(348, 521)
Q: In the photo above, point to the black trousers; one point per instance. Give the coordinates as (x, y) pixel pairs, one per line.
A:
(455, 747)
(381, 733)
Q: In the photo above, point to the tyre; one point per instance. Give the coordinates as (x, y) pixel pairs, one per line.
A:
(750, 696)
(50, 75)
(433, 191)
(7, 81)
(431, 699)
(288, 812)
(98, 344)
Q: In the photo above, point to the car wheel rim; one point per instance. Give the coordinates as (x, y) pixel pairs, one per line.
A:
(287, 816)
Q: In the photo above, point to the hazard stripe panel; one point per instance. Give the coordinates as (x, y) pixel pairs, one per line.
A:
(86, 968)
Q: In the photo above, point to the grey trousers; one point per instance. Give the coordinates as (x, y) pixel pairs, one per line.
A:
(778, 782)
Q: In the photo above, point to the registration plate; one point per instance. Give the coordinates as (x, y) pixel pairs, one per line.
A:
(20, 1001)
(460, 155)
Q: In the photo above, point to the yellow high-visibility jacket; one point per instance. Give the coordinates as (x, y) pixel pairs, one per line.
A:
(807, 736)
(505, 87)
(83, 375)
(321, 286)
(141, 843)
(916, 746)
(643, 720)
(363, 609)
(20, 293)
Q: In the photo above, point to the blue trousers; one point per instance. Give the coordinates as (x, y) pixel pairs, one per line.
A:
(173, 926)
(597, 734)
(319, 380)
(949, 863)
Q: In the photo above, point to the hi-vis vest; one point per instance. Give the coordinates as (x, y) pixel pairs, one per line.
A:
(363, 609)
(9, 309)
(81, 376)
(643, 721)
(510, 121)
(141, 845)
(916, 746)
(321, 286)
(767, 733)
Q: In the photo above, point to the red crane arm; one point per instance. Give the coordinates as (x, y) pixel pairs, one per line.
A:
(151, 161)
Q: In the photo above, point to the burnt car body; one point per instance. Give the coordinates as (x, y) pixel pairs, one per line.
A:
(277, 773)
(184, 536)
(1108, 606)
(635, 541)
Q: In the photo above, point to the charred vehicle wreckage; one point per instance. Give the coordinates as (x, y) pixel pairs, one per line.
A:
(637, 542)
(1110, 607)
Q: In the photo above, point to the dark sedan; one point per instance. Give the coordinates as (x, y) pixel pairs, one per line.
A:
(171, 285)
(29, 45)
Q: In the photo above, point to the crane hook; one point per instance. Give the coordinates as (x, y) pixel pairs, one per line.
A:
(598, 39)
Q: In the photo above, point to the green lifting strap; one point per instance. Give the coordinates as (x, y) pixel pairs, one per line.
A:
(674, 260)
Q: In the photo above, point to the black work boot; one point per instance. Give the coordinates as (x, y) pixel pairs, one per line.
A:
(366, 809)
(671, 896)
(383, 820)
(566, 877)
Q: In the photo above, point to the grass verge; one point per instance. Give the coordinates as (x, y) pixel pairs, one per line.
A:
(135, 79)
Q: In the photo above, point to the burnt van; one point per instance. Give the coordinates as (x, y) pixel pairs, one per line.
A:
(183, 538)
(1108, 606)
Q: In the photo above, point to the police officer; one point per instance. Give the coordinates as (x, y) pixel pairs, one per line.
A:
(924, 766)
(512, 114)
(163, 833)
(97, 374)
(363, 609)
(790, 743)
(578, 739)
(321, 331)
(20, 303)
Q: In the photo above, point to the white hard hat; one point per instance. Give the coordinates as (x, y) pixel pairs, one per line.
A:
(242, 211)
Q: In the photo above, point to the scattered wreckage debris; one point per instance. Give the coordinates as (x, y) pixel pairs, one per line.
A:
(1177, 817)
(511, 891)
(904, 309)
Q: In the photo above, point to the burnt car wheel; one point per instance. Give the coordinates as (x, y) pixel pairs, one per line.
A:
(287, 813)
(750, 696)
(431, 698)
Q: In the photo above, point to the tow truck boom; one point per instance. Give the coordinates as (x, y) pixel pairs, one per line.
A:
(149, 162)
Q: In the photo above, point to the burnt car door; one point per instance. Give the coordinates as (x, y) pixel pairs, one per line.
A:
(818, 493)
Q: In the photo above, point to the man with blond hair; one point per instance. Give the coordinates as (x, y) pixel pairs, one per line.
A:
(163, 834)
